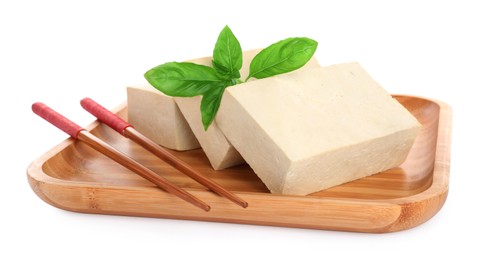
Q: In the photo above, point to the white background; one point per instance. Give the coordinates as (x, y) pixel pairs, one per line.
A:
(58, 52)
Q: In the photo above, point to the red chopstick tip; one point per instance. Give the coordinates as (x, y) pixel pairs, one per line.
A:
(104, 115)
(56, 119)
(36, 106)
(244, 204)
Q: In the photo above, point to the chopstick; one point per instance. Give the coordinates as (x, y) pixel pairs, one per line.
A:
(81, 134)
(125, 129)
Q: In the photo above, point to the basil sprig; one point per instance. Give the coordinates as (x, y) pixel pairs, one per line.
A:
(185, 79)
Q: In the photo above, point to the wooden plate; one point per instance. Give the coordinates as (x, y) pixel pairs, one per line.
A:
(74, 177)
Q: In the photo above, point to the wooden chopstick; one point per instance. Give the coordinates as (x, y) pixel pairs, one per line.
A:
(81, 134)
(160, 152)
(125, 129)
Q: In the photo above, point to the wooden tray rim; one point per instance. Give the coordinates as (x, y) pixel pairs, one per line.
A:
(436, 193)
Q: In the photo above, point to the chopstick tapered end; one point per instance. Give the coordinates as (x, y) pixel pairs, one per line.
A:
(237, 200)
(244, 204)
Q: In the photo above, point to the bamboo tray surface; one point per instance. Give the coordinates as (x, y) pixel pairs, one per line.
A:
(74, 177)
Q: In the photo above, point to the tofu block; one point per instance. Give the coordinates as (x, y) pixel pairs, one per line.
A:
(158, 117)
(219, 151)
(217, 148)
(310, 130)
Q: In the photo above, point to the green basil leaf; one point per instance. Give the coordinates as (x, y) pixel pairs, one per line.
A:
(209, 105)
(227, 55)
(282, 57)
(223, 71)
(183, 79)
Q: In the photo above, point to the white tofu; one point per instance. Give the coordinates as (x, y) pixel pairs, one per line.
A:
(307, 131)
(158, 117)
(219, 151)
(217, 148)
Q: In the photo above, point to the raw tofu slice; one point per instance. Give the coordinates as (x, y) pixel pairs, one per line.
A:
(219, 151)
(158, 117)
(217, 148)
(311, 130)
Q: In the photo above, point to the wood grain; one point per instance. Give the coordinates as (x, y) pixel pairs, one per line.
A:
(181, 166)
(74, 177)
(139, 169)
